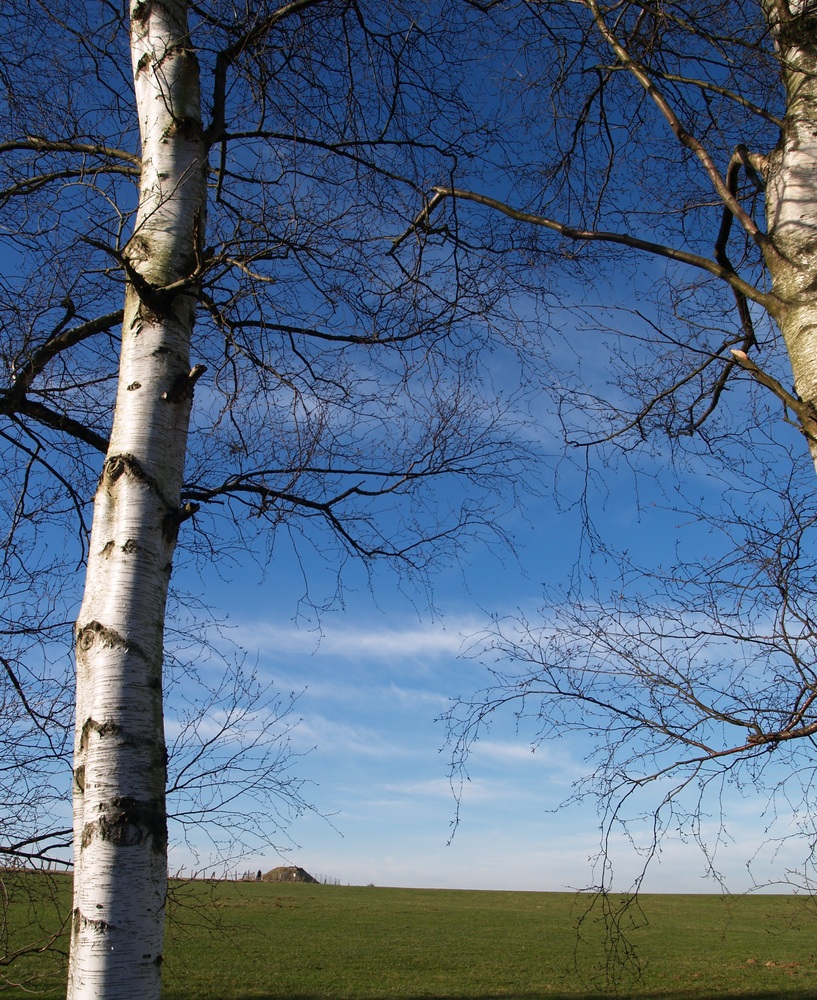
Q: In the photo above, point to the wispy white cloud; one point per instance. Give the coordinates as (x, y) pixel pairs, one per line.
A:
(340, 739)
(348, 690)
(436, 788)
(361, 640)
(522, 754)
(509, 789)
(518, 751)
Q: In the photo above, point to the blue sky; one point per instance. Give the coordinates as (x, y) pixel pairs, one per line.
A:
(376, 675)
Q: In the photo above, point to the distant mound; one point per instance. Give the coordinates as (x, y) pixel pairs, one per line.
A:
(288, 874)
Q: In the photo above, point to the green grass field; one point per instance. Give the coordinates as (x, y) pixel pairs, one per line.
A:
(260, 941)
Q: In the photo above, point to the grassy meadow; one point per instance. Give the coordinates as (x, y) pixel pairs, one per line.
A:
(264, 941)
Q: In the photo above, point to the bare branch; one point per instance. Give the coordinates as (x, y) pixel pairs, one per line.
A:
(768, 301)
(684, 137)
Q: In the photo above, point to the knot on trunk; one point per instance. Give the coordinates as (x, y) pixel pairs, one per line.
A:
(175, 518)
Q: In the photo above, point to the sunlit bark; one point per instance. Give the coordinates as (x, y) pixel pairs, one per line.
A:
(120, 758)
(791, 202)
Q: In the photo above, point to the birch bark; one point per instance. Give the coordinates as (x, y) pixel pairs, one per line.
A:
(791, 199)
(120, 830)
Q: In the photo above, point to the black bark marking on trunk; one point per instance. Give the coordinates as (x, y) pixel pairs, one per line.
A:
(182, 388)
(81, 920)
(92, 633)
(128, 465)
(119, 465)
(185, 126)
(127, 822)
(101, 729)
(142, 11)
(800, 32)
(130, 546)
(79, 778)
(177, 517)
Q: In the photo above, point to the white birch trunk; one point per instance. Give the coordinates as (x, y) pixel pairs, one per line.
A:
(120, 827)
(791, 200)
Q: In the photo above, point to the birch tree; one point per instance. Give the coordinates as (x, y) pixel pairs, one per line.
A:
(203, 197)
(666, 184)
